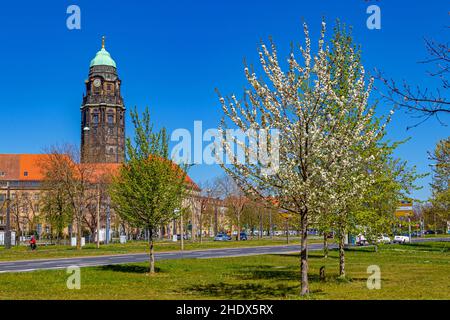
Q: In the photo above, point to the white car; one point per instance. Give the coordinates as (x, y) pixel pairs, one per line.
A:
(401, 239)
(384, 239)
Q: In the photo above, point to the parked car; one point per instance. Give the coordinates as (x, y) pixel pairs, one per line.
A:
(429, 232)
(278, 233)
(185, 237)
(242, 235)
(222, 237)
(384, 239)
(401, 239)
(361, 240)
(330, 235)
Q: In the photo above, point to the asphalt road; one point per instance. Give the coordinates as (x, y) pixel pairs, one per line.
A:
(62, 263)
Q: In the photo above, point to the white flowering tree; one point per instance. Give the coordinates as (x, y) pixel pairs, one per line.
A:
(324, 135)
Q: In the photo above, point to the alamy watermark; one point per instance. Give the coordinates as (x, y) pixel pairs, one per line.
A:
(258, 147)
(73, 21)
(374, 280)
(74, 280)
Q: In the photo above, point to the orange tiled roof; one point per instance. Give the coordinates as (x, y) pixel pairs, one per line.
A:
(23, 167)
(27, 167)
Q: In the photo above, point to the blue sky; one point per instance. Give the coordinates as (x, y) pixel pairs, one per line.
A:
(171, 55)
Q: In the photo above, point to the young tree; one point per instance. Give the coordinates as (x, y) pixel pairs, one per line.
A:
(56, 210)
(65, 177)
(319, 145)
(149, 186)
(235, 200)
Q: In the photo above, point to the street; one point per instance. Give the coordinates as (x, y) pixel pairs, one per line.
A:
(62, 263)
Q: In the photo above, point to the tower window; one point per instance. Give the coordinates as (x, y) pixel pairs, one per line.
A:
(25, 173)
(95, 118)
(111, 150)
(110, 118)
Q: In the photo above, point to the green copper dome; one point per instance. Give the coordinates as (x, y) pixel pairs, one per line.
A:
(103, 58)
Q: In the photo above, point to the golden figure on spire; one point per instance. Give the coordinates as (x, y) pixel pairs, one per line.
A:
(103, 42)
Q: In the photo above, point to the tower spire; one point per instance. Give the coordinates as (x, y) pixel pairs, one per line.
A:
(103, 42)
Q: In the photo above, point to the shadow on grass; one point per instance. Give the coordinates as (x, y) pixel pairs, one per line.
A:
(245, 290)
(128, 268)
(264, 282)
(310, 255)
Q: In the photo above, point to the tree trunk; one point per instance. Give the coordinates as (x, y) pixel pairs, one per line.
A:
(342, 253)
(78, 233)
(239, 228)
(304, 254)
(325, 245)
(270, 225)
(201, 227)
(151, 253)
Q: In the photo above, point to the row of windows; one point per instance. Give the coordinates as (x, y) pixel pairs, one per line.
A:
(2, 173)
(110, 130)
(36, 196)
(109, 118)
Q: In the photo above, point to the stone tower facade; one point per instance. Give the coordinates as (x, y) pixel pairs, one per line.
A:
(103, 113)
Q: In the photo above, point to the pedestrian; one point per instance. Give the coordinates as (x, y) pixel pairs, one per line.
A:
(33, 243)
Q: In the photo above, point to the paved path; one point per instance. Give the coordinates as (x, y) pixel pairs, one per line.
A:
(62, 263)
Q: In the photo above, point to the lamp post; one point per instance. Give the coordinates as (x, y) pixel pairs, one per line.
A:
(108, 220)
(409, 228)
(98, 216)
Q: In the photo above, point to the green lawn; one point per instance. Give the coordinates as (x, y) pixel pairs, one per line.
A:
(416, 271)
(23, 252)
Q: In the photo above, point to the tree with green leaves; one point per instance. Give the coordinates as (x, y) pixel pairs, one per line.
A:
(149, 187)
(375, 214)
(441, 179)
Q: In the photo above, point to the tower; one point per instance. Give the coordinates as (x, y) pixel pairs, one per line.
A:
(102, 113)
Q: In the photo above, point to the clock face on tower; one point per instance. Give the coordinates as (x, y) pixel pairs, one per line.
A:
(97, 83)
(102, 111)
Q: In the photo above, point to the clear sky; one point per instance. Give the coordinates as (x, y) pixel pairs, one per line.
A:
(171, 55)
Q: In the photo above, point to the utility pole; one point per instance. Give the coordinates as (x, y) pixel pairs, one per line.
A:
(181, 230)
(8, 218)
(409, 228)
(98, 217)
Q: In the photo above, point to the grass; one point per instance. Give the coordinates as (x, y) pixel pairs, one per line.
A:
(416, 271)
(60, 251)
